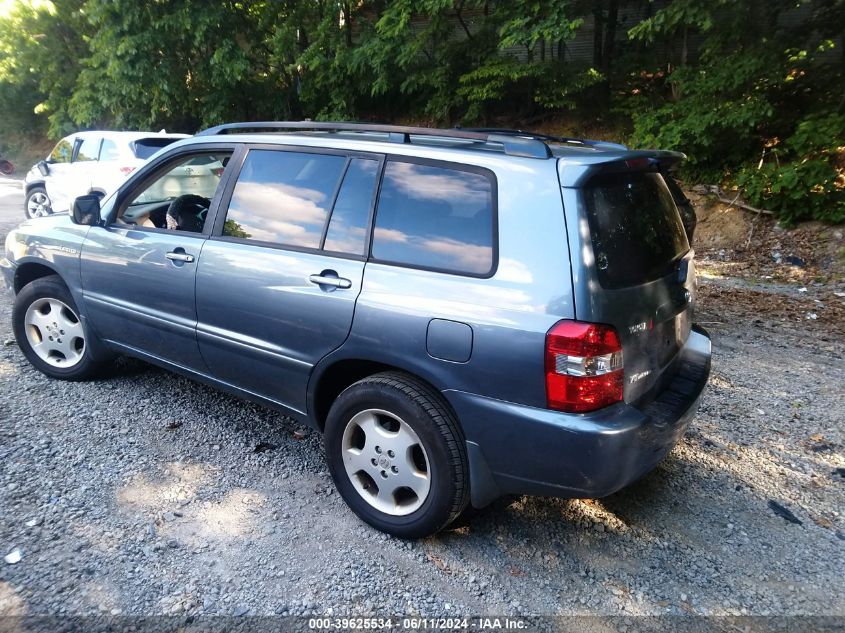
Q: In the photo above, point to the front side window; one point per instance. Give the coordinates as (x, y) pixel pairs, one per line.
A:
(62, 152)
(88, 150)
(283, 197)
(435, 217)
(179, 198)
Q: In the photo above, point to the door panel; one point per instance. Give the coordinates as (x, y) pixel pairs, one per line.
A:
(64, 183)
(136, 296)
(263, 324)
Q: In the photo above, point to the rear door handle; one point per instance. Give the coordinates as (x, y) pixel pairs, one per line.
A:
(179, 256)
(330, 280)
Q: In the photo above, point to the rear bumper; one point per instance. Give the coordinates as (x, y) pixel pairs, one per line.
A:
(514, 449)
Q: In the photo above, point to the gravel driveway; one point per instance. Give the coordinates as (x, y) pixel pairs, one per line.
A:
(145, 493)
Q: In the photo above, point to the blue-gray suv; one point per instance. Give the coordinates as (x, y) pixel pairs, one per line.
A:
(464, 313)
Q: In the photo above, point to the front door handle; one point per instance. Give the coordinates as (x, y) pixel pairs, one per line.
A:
(330, 280)
(179, 256)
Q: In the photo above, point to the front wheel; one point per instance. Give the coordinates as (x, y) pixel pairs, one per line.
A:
(397, 455)
(37, 203)
(49, 331)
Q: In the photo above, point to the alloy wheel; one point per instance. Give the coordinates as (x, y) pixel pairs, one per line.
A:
(38, 205)
(54, 332)
(386, 462)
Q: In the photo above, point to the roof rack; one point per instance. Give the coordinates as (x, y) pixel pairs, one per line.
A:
(528, 146)
(547, 137)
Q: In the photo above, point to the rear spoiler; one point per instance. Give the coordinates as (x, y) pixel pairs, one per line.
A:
(153, 141)
(576, 171)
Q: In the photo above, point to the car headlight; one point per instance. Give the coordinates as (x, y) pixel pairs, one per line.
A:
(10, 240)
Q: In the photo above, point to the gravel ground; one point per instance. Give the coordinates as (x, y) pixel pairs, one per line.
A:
(145, 493)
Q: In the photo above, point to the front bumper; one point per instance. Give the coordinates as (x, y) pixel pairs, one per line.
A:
(515, 449)
(7, 269)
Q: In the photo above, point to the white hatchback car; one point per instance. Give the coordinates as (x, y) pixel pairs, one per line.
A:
(88, 162)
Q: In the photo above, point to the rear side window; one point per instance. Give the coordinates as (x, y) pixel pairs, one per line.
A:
(88, 150)
(348, 227)
(636, 230)
(143, 148)
(435, 217)
(109, 150)
(283, 197)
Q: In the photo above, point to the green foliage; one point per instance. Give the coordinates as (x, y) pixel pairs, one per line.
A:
(726, 101)
(732, 105)
(40, 43)
(716, 133)
(182, 64)
(803, 179)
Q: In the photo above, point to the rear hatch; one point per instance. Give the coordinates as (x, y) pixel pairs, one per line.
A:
(636, 271)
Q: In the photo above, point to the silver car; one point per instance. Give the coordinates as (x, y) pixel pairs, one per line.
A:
(464, 313)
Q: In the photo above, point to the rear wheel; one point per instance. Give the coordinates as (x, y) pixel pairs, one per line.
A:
(49, 331)
(397, 456)
(37, 203)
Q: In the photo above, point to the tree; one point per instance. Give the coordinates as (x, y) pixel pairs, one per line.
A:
(41, 44)
(733, 110)
(182, 64)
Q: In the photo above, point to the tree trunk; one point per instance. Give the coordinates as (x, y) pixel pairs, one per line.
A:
(598, 29)
(347, 14)
(610, 34)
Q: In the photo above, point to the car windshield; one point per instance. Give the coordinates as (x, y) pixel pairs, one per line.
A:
(198, 175)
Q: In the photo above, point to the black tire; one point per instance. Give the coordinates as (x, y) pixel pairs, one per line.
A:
(31, 194)
(52, 287)
(438, 431)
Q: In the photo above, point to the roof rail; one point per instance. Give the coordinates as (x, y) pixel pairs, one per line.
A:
(548, 137)
(512, 144)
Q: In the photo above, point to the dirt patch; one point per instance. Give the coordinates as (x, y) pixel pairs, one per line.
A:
(720, 226)
(768, 309)
(24, 150)
(739, 243)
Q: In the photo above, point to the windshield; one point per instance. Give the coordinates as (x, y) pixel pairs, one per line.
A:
(198, 175)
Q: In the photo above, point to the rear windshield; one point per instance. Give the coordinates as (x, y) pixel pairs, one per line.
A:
(145, 147)
(636, 230)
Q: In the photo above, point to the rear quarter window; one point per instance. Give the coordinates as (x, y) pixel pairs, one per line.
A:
(436, 217)
(635, 228)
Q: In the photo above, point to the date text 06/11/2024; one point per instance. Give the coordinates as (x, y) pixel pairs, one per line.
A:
(420, 624)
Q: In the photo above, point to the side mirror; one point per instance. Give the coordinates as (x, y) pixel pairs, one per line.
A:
(43, 167)
(86, 210)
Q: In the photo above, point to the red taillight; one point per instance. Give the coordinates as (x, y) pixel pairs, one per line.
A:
(583, 367)
(126, 170)
(638, 163)
(218, 171)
